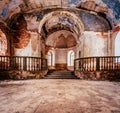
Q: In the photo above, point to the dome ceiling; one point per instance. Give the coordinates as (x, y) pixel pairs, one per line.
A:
(111, 8)
(61, 39)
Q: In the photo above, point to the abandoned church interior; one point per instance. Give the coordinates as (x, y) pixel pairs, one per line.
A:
(78, 35)
(59, 56)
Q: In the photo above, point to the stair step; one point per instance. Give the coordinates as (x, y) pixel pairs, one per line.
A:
(60, 74)
(61, 77)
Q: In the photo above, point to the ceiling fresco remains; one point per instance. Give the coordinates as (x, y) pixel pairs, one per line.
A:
(111, 8)
(61, 39)
(66, 17)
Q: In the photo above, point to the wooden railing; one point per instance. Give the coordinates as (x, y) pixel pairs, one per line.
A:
(22, 63)
(108, 63)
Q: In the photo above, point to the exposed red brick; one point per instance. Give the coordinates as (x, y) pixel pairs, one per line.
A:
(116, 29)
(104, 35)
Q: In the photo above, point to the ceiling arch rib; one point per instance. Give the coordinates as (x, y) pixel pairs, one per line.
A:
(62, 16)
(61, 23)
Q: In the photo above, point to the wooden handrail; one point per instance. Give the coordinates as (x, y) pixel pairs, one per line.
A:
(104, 63)
(22, 63)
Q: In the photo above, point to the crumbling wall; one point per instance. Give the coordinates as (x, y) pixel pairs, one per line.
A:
(98, 75)
(32, 49)
(94, 44)
(5, 39)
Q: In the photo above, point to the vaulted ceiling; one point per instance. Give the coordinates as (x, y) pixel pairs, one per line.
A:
(60, 19)
(111, 8)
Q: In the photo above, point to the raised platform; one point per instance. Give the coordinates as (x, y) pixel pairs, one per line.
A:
(20, 75)
(98, 75)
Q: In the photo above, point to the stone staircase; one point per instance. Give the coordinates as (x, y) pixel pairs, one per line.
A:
(60, 74)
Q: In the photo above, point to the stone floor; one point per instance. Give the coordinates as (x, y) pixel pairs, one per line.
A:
(59, 96)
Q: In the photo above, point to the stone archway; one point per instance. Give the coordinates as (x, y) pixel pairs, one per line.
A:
(59, 35)
(61, 13)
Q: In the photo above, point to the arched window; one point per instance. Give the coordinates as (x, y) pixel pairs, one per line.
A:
(71, 56)
(3, 43)
(117, 45)
(49, 58)
(72, 59)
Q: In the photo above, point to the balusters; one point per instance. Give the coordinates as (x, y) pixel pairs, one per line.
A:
(22, 63)
(90, 62)
(97, 63)
(107, 63)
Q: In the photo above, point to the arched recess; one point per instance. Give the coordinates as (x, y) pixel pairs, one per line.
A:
(70, 59)
(51, 59)
(117, 44)
(3, 43)
(76, 20)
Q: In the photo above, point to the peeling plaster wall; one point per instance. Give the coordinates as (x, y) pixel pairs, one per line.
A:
(93, 44)
(6, 36)
(113, 36)
(79, 49)
(23, 51)
(113, 7)
(61, 56)
(32, 23)
(117, 45)
(9, 7)
(3, 43)
(61, 39)
(93, 23)
(33, 48)
(35, 44)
